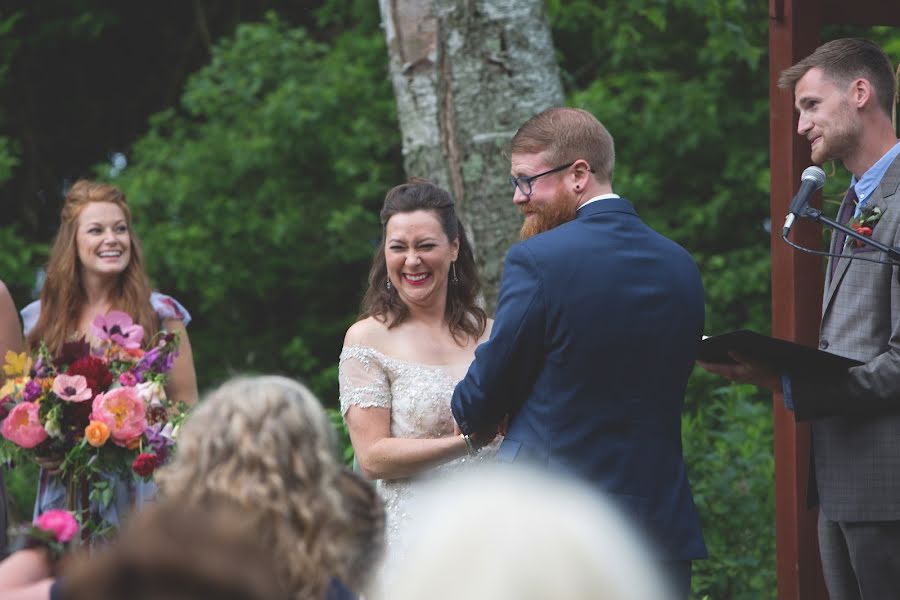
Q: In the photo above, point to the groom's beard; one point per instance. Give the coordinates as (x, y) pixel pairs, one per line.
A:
(545, 218)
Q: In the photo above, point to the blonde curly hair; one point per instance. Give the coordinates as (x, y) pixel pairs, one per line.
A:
(265, 444)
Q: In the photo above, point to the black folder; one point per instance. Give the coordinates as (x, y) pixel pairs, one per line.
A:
(782, 355)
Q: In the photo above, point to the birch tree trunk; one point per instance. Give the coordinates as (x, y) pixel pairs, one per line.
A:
(467, 74)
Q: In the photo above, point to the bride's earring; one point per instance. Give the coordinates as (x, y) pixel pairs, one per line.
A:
(387, 284)
(453, 277)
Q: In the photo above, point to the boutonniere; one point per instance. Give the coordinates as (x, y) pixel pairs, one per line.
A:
(864, 222)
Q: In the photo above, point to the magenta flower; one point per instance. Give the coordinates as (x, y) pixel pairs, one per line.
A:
(61, 523)
(123, 411)
(128, 379)
(72, 388)
(22, 426)
(116, 326)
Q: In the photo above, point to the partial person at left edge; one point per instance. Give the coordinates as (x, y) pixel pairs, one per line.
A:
(96, 265)
(10, 341)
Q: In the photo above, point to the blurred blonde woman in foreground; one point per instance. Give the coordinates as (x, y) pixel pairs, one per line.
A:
(505, 533)
(266, 446)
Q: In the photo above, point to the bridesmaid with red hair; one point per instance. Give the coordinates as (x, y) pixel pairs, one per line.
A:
(96, 265)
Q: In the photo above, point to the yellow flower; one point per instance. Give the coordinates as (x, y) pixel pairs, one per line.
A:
(13, 386)
(17, 364)
(96, 433)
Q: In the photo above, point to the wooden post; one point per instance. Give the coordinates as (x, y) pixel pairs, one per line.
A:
(794, 29)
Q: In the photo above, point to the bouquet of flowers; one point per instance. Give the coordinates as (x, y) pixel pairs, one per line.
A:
(93, 411)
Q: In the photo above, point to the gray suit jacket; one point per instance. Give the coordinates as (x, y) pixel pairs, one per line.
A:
(856, 426)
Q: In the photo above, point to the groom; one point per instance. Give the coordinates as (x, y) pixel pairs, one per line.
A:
(597, 325)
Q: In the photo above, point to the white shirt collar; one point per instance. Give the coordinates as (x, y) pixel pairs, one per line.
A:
(598, 198)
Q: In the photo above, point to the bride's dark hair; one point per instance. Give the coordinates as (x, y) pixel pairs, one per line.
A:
(464, 317)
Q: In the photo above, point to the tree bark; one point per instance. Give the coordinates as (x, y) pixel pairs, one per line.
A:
(466, 75)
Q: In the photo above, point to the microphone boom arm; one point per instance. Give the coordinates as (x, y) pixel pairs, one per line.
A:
(815, 214)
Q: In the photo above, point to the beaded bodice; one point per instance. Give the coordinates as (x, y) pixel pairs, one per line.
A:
(418, 396)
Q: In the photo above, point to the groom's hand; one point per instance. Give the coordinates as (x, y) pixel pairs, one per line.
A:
(483, 439)
(503, 427)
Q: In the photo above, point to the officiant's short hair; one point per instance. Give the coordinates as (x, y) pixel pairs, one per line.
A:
(844, 60)
(567, 134)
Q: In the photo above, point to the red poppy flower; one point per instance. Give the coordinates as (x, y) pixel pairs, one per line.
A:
(72, 351)
(94, 370)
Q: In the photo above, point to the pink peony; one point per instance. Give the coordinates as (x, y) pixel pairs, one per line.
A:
(22, 425)
(61, 523)
(117, 326)
(123, 412)
(72, 388)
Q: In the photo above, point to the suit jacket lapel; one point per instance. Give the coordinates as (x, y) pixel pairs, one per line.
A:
(843, 263)
(885, 190)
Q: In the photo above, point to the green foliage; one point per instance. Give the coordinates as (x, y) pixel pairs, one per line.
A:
(18, 256)
(21, 489)
(728, 449)
(346, 450)
(257, 201)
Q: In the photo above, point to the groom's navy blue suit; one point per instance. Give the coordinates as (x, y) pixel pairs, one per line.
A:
(596, 331)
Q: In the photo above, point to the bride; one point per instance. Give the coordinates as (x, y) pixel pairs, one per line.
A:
(413, 343)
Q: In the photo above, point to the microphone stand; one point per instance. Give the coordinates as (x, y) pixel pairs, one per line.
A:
(815, 214)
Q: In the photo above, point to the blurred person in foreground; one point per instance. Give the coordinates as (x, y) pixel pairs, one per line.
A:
(167, 551)
(548, 538)
(173, 552)
(265, 446)
(598, 322)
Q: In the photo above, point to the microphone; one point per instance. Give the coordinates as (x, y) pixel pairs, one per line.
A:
(813, 179)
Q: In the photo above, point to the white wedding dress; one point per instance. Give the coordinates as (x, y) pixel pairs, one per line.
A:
(418, 396)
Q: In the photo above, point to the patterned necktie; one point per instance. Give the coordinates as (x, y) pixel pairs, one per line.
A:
(847, 209)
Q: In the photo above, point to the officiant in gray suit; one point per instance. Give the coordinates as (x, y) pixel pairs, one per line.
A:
(844, 93)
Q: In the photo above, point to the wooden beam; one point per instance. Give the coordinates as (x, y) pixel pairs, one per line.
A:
(794, 30)
(861, 12)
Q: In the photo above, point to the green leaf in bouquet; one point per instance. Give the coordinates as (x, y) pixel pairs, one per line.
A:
(106, 497)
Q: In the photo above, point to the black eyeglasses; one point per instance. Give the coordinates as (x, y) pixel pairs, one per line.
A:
(524, 182)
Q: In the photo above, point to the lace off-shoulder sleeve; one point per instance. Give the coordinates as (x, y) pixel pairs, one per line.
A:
(167, 307)
(362, 378)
